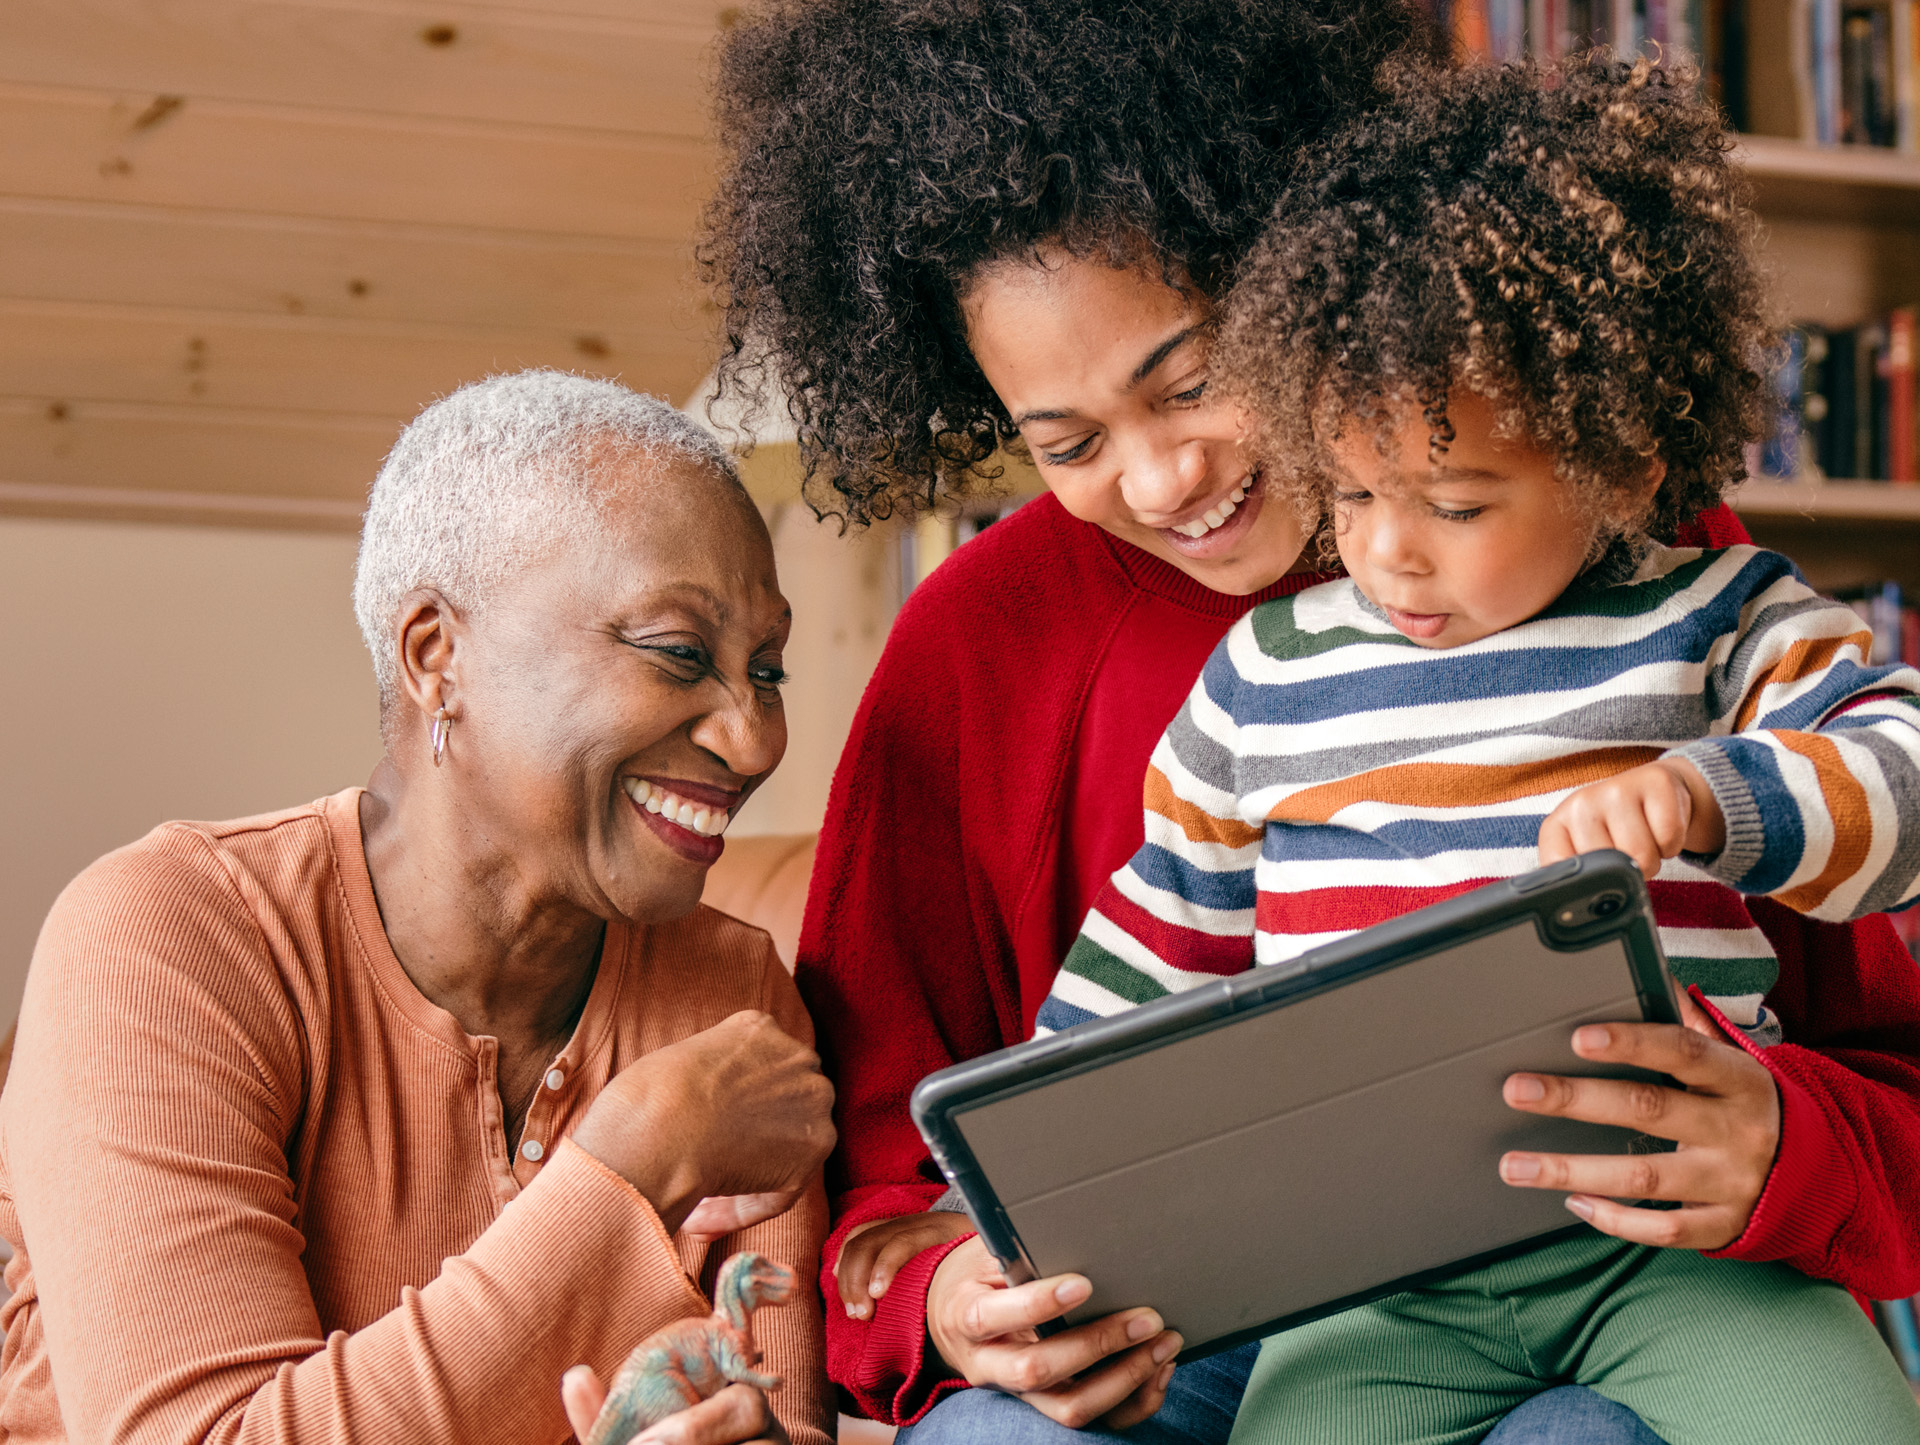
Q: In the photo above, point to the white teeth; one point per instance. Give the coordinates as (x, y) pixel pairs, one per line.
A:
(1217, 514)
(707, 822)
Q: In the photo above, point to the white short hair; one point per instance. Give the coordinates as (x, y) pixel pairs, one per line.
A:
(488, 479)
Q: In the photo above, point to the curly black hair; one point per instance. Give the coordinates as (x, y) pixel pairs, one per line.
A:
(880, 152)
(1575, 244)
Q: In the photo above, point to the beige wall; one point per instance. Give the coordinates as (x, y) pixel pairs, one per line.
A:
(844, 592)
(155, 672)
(150, 672)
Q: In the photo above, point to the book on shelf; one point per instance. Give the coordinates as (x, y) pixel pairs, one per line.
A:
(1847, 403)
(1711, 34)
(1706, 31)
(1854, 72)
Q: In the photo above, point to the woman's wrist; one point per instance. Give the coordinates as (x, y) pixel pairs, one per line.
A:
(648, 1159)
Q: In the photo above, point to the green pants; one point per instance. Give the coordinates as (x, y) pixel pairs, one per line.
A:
(1707, 1352)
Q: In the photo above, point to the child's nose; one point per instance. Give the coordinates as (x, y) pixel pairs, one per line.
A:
(1393, 544)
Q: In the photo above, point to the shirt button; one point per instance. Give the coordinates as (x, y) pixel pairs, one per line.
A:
(556, 1080)
(531, 1151)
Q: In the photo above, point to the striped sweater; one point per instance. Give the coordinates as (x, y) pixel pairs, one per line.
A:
(1327, 774)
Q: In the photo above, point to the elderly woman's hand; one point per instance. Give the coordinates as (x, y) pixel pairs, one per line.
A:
(738, 1415)
(739, 1115)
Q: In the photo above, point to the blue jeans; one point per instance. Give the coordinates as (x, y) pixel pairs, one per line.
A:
(1204, 1395)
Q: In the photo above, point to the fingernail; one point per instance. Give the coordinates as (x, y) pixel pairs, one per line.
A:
(1140, 1326)
(1526, 1089)
(1167, 1349)
(1592, 1037)
(1580, 1206)
(1072, 1291)
(877, 1288)
(1518, 1168)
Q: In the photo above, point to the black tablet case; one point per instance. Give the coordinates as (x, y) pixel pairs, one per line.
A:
(1261, 1151)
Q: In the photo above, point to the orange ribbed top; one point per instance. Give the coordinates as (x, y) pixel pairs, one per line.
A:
(258, 1188)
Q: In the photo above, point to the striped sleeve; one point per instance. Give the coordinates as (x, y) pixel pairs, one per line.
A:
(1814, 757)
(1182, 911)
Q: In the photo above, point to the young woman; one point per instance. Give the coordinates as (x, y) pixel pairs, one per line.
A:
(951, 228)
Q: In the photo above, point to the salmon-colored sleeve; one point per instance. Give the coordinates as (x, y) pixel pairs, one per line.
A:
(157, 1086)
(793, 1336)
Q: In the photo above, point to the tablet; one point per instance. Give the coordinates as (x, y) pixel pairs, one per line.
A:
(1272, 1147)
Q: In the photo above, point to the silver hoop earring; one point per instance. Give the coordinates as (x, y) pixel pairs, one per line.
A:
(442, 727)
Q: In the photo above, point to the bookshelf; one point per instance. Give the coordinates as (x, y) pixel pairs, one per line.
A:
(1843, 240)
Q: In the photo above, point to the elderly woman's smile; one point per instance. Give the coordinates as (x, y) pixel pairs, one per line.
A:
(623, 694)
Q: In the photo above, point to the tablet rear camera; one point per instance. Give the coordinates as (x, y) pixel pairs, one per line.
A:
(1590, 911)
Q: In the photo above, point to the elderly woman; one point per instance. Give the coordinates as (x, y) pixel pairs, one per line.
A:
(367, 1119)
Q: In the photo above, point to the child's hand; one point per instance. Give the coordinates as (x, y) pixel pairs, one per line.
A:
(1649, 813)
(875, 1253)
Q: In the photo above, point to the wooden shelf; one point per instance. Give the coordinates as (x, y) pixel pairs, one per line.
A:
(1832, 183)
(1856, 501)
(1842, 534)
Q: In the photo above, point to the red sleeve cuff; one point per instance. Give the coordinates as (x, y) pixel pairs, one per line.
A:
(1811, 1192)
(899, 1333)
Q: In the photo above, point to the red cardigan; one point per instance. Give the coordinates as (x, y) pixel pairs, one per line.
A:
(992, 784)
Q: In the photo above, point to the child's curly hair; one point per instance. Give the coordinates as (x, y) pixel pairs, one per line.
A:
(881, 152)
(1575, 245)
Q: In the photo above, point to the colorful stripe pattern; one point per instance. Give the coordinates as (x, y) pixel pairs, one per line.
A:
(1326, 774)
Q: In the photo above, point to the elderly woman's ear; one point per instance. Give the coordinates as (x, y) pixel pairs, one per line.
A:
(427, 629)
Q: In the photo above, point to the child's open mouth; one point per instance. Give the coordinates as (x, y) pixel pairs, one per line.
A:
(1417, 624)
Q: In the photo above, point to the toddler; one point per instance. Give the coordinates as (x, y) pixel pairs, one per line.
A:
(1500, 339)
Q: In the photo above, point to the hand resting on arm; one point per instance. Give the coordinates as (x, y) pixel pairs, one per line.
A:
(720, 1130)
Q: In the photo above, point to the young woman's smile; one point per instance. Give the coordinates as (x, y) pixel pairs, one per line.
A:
(1104, 370)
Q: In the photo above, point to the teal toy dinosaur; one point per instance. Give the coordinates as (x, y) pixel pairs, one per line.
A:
(690, 1360)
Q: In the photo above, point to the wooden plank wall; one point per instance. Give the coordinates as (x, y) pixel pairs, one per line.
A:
(241, 241)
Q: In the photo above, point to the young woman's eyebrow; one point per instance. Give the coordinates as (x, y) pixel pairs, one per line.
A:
(1159, 354)
(1027, 416)
(1141, 372)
